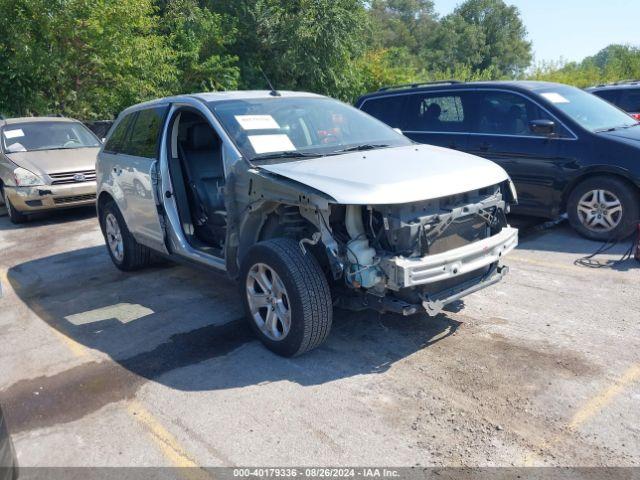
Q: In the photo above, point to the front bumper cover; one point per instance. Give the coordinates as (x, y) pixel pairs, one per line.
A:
(413, 272)
(51, 197)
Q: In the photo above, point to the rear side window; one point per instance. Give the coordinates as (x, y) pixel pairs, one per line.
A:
(630, 101)
(118, 138)
(435, 112)
(385, 109)
(145, 134)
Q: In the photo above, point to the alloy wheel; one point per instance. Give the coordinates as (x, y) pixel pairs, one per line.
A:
(114, 237)
(268, 302)
(600, 210)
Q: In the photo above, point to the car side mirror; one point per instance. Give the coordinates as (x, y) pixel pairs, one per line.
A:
(543, 127)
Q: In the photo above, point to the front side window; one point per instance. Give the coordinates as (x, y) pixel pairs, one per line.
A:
(145, 133)
(611, 96)
(300, 126)
(504, 113)
(630, 101)
(35, 136)
(435, 112)
(589, 111)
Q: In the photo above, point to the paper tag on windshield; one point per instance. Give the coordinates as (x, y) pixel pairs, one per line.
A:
(257, 122)
(271, 143)
(13, 133)
(555, 97)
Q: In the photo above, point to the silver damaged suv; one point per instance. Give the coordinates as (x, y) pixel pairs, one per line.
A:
(307, 202)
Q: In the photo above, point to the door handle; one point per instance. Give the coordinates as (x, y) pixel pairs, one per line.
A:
(453, 146)
(485, 147)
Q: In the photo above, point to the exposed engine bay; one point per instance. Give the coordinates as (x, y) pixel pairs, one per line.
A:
(422, 254)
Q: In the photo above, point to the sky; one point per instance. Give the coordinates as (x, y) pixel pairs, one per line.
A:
(572, 29)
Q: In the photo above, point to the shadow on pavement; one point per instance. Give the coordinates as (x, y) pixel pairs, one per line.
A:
(159, 320)
(48, 218)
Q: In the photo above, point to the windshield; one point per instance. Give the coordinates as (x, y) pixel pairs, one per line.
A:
(586, 109)
(264, 129)
(33, 136)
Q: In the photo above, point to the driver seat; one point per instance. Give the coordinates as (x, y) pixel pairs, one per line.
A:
(201, 158)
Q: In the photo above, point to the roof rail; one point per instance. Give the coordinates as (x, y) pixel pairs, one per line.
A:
(420, 84)
(619, 82)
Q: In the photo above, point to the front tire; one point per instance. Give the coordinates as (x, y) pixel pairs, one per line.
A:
(126, 254)
(286, 297)
(15, 216)
(604, 208)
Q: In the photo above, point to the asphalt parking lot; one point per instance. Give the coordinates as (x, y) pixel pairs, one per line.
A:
(102, 368)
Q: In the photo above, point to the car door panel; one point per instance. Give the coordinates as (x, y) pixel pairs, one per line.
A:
(535, 163)
(137, 164)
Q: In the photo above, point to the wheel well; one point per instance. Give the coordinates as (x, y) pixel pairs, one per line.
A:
(285, 221)
(103, 199)
(571, 186)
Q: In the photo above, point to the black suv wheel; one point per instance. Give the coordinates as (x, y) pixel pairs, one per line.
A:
(604, 208)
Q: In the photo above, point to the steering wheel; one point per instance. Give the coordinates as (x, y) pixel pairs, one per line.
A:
(70, 143)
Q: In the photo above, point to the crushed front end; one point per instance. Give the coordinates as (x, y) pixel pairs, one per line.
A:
(424, 255)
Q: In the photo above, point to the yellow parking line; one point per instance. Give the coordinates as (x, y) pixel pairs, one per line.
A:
(167, 443)
(590, 409)
(597, 403)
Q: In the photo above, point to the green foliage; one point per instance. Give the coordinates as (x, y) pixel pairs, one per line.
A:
(195, 37)
(85, 58)
(613, 63)
(92, 58)
(483, 35)
(402, 24)
(299, 44)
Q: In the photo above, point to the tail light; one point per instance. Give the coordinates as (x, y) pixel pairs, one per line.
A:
(636, 116)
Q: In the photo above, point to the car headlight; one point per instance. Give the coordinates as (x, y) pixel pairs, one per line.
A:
(25, 178)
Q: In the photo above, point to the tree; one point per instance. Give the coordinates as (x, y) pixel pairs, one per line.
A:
(299, 44)
(85, 58)
(198, 38)
(406, 24)
(611, 64)
(483, 34)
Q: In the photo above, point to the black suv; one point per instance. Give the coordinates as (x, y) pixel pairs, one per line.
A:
(565, 149)
(625, 95)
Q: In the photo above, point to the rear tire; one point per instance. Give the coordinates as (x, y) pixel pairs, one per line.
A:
(604, 208)
(277, 279)
(15, 216)
(126, 254)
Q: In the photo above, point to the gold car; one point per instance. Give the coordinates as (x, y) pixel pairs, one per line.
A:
(46, 163)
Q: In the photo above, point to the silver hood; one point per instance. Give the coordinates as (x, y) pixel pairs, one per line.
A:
(393, 175)
(44, 162)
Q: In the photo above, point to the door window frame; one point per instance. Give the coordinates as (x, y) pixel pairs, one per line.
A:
(132, 126)
(537, 104)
